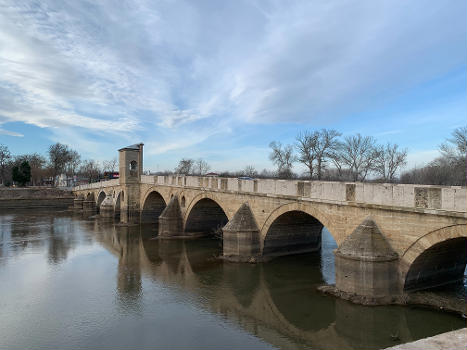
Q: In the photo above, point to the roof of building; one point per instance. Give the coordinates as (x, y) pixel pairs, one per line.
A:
(134, 147)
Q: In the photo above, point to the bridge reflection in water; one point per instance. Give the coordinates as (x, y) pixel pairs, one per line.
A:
(276, 302)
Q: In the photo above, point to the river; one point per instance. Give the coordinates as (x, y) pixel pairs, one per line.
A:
(72, 282)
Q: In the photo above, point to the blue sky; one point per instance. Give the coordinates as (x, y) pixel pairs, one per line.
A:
(221, 79)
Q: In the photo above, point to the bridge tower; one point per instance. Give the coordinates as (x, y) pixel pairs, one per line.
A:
(131, 169)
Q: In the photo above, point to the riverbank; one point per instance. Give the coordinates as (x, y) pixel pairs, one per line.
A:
(427, 299)
(454, 340)
(35, 197)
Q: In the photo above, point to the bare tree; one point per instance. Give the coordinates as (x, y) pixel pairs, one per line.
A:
(201, 167)
(454, 151)
(250, 171)
(456, 146)
(74, 160)
(59, 156)
(5, 157)
(358, 153)
(110, 165)
(185, 166)
(305, 145)
(90, 169)
(388, 160)
(324, 148)
(283, 158)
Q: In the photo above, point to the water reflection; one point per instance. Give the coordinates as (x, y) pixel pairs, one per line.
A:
(276, 302)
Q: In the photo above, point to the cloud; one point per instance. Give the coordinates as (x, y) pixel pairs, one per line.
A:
(10, 133)
(164, 70)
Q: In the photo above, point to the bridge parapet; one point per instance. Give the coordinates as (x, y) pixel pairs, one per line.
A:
(96, 185)
(445, 198)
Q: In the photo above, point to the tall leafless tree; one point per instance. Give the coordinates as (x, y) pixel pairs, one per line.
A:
(90, 168)
(358, 154)
(388, 161)
(326, 144)
(59, 156)
(185, 166)
(250, 171)
(283, 158)
(454, 151)
(110, 165)
(456, 146)
(305, 145)
(201, 167)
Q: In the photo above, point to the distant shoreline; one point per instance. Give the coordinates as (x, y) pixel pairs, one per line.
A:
(35, 197)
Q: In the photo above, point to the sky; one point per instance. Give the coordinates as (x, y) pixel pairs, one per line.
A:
(220, 80)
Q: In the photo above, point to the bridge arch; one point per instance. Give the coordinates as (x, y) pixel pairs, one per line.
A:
(152, 207)
(310, 210)
(439, 257)
(100, 198)
(204, 214)
(90, 196)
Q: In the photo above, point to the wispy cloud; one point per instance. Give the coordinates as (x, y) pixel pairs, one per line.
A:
(176, 73)
(10, 133)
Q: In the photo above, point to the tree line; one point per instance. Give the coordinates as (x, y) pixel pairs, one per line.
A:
(328, 156)
(449, 168)
(38, 170)
(325, 154)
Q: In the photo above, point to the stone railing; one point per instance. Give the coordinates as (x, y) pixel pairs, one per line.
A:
(449, 198)
(94, 185)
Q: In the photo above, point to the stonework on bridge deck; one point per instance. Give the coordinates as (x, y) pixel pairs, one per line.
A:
(416, 222)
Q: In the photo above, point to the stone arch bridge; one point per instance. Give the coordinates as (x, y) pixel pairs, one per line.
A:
(390, 237)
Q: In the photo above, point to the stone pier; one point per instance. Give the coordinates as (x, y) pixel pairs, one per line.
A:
(241, 240)
(171, 221)
(366, 265)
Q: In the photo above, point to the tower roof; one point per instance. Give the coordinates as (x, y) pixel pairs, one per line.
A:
(134, 147)
(243, 220)
(366, 242)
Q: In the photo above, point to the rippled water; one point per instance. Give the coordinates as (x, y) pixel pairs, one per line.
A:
(69, 282)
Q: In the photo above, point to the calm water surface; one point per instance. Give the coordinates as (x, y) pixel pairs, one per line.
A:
(70, 282)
